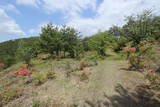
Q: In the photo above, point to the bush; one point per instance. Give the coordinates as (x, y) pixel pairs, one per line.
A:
(51, 75)
(39, 78)
(36, 103)
(138, 57)
(10, 94)
(84, 76)
(8, 60)
(82, 64)
(146, 58)
(92, 57)
(153, 79)
(120, 44)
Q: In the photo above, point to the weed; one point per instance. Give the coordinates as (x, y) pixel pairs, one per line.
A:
(82, 64)
(39, 78)
(84, 76)
(10, 94)
(36, 103)
(51, 75)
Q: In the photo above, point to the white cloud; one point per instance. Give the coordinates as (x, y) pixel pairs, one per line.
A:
(8, 26)
(33, 3)
(10, 7)
(112, 12)
(108, 13)
(37, 30)
(68, 7)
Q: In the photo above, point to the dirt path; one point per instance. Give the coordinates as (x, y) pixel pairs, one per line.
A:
(105, 77)
(99, 91)
(110, 76)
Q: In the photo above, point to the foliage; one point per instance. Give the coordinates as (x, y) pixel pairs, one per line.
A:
(98, 43)
(153, 79)
(137, 59)
(36, 103)
(71, 41)
(2, 65)
(27, 50)
(50, 40)
(55, 40)
(51, 75)
(84, 75)
(39, 78)
(10, 94)
(141, 27)
(146, 60)
(120, 44)
(8, 50)
(82, 64)
(23, 71)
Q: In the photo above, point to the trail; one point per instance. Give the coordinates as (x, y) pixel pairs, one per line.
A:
(110, 78)
(108, 86)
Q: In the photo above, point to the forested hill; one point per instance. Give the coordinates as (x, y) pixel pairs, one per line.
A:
(9, 48)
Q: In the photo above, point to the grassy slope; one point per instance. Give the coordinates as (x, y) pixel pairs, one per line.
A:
(109, 74)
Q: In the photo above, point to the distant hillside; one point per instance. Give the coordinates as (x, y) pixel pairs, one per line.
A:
(8, 49)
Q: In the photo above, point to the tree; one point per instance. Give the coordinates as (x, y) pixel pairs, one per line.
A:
(70, 41)
(156, 28)
(50, 39)
(116, 31)
(56, 40)
(138, 28)
(98, 43)
(8, 52)
(27, 49)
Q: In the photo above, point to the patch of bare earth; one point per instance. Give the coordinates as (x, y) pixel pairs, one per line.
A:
(110, 85)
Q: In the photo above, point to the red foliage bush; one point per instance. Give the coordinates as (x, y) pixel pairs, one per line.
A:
(23, 71)
(2, 64)
(152, 79)
(130, 50)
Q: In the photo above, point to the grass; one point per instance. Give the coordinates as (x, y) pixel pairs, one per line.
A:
(36, 103)
(51, 80)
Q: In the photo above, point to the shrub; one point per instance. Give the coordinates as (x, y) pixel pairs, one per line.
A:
(92, 57)
(82, 64)
(51, 75)
(8, 84)
(7, 60)
(153, 79)
(84, 76)
(2, 65)
(36, 103)
(39, 78)
(137, 57)
(120, 44)
(10, 94)
(23, 71)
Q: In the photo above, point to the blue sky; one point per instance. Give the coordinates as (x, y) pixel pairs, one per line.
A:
(24, 18)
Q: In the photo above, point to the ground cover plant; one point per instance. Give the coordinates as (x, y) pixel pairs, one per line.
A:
(59, 68)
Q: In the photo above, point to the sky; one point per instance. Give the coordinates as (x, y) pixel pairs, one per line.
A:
(24, 18)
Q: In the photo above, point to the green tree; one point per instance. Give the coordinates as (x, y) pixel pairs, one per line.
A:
(98, 43)
(155, 31)
(70, 41)
(50, 39)
(26, 51)
(138, 28)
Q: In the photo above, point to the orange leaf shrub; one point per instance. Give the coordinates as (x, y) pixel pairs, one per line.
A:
(130, 50)
(2, 64)
(23, 71)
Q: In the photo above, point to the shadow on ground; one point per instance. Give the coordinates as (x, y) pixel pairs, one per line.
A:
(129, 69)
(141, 97)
